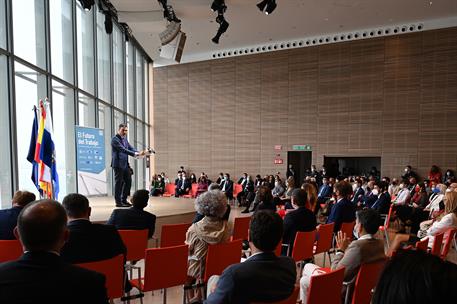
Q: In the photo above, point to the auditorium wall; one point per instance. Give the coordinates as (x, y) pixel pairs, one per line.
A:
(394, 97)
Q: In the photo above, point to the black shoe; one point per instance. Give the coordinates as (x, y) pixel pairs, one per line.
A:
(121, 205)
(126, 204)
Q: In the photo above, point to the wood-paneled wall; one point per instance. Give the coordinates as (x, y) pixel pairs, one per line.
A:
(393, 97)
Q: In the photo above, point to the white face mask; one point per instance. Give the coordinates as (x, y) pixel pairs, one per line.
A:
(276, 184)
(356, 232)
(375, 191)
(406, 170)
(401, 186)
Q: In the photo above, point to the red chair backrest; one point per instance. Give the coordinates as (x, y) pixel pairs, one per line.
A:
(366, 280)
(193, 190)
(326, 288)
(437, 242)
(170, 188)
(165, 267)
(173, 235)
(447, 244)
(278, 249)
(136, 242)
(387, 221)
(220, 256)
(303, 245)
(422, 245)
(237, 189)
(325, 236)
(241, 228)
(10, 250)
(292, 299)
(113, 269)
(348, 228)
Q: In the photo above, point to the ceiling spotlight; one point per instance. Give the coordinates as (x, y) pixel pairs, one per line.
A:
(168, 12)
(267, 5)
(222, 28)
(218, 5)
(87, 4)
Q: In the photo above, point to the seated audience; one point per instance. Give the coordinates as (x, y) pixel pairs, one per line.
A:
(382, 204)
(202, 185)
(285, 198)
(227, 186)
(199, 216)
(183, 185)
(247, 193)
(263, 200)
(300, 219)
(165, 178)
(278, 190)
(263, 277)
(157, 186)
(8, 217)
(436, 200)
(325, 191)
(88, 242)
(408, 173)
(403, 196)
(358, 193)
(413, 214)
(416, 277)
(220, 179)
(343, 211)
(351, 255)
(449, 177)
(311, 194)
(434, 175)
(193, 179)
(212, 229)
(393, 188)
(41, 275)
(134, 218)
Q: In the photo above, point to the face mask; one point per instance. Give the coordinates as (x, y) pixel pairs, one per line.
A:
(356, 232)
(401, 186)
(436, 190)
(375, 192)
(276, 184)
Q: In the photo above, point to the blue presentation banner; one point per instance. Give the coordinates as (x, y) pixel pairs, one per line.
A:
(90, 160)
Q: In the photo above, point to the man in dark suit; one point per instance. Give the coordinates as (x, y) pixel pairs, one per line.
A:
(247, 192)
(325, 191)
(382, 204)
(41, 275)
(135, 218)
(300, 219)
(227, 186)
(183, 185)
(8, 217)
(358, 193)
(88, 242)
(263, 277)
(121, 149)
(343, 211)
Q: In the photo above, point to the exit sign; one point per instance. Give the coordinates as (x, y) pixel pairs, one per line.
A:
(301, 147)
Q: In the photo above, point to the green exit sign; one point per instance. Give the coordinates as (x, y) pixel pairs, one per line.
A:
(301, 147)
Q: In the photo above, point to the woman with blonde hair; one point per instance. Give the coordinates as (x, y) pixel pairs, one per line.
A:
(311, 194)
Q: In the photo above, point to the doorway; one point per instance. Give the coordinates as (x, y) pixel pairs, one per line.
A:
(348, 166)
(300, 161)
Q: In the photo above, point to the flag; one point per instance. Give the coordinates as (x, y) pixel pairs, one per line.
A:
(45, 155)
(32, 146)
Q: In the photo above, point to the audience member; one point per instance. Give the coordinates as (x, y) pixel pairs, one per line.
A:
(247, 191)
(202, 185)
(403, 196)
(413, 276)
(220, 179)
(134, 218)
(263, 277)
(41, 275)
(394, 188)
(408, 173)
(157, 186)
(343, 211)
(227, 186)
(193, 179)
(435, 174)
(382, 204)
(183, 185)
(436, 200)
(358, 193)
(449, 177)
(300, 219)
(285, 198)
(311, 194)
(351, 255)
(290, 171)
(88, 242)
(325, 191)
(8, 217)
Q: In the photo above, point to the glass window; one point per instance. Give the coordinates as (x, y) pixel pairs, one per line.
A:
(86, 111)
(5, 157)
(146, 94)
(131, 138)
(61, 38)
(141, 164)
(30, 87)
(29, 31)
(104, 122)
(103, 60)
(63, 117)
(2, 24)
(130, 78)
(118, 119)
(118, 67)
(85, 39)
(139, 86)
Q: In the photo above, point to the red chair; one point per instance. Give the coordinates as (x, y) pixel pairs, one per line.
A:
(366, 280)
(437, 242)
(173, 235)
(193, 192)
(385, 227)
(292, 299)
(169, 190)
(136, 242)
(326, 288)
(220, 256)
(278, 249)
(324, 241)
(113, 269)
(163, 268)
(237, 188)
(348, 228)
(241, 228)
(303, 245)
(10, 250)
(422, 245)
(447, 244)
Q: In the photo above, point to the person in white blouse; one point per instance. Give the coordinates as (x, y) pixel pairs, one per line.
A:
(435, 200)
(403, 196)
(448, 221)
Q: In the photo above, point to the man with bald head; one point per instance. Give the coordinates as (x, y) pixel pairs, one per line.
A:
(40, 275)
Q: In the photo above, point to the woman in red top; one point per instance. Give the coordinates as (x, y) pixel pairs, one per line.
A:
(435, 174)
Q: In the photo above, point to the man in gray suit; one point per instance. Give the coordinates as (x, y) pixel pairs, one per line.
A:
(351, 255)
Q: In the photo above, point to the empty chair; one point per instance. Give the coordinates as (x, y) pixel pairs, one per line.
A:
(136, 242)
(10, 250)
(163, 268)
(366, 280)
(241, 228)
(173, 235)
(437, 242)
(447, 244)
(326, 288)
(422, 245)
(113, 269)
(169, 190)
(324, 240)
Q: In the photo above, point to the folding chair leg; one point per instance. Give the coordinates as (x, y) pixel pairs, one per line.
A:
(329, 258)
(386, 235)
(164, 296)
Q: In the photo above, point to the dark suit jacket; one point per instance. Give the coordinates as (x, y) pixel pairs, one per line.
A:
(248, 186)
(134, 219)
(342, 212)
(356, 198)
(187, 184)
(43, 277)
(120, 153)
(228, 188)
(261, 278)
(324, 191)
(369, 200)
(301, 219)
(8, 221)
(382, 204)
(89, 242)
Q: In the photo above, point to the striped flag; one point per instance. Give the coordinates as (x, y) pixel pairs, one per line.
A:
(32, 147)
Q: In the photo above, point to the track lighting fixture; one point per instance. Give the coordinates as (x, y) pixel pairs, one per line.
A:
(87, 4)
(168, 12)
(267, 5)
(221, 8)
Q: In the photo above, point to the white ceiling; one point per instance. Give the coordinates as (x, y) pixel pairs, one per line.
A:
(292, 19)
